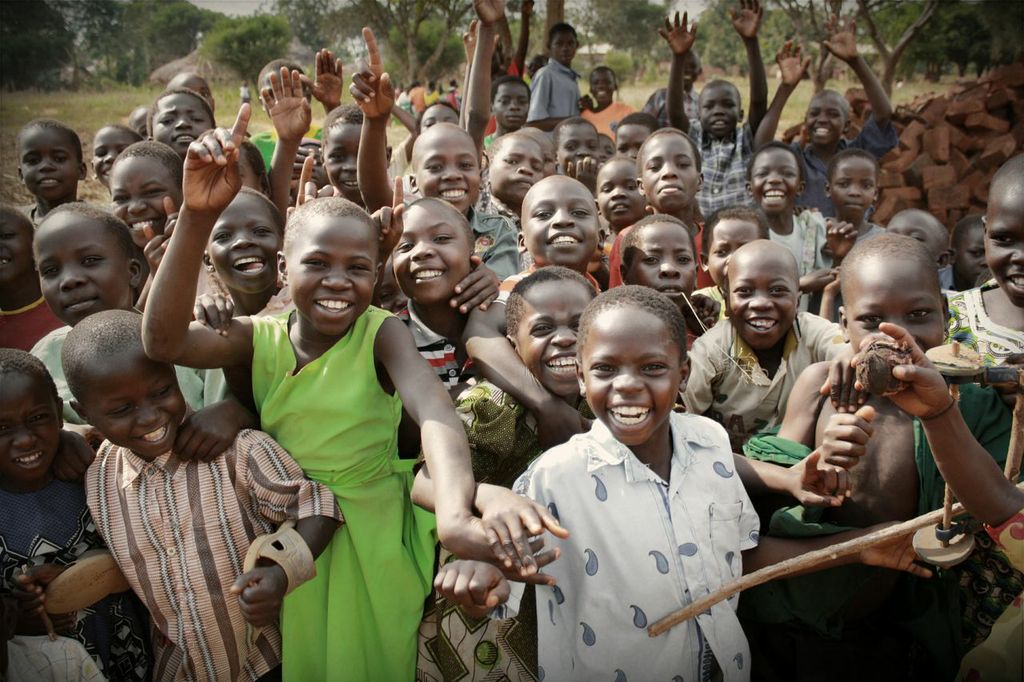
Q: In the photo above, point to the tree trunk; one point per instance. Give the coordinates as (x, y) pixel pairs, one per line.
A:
(822, 71)
(555, 13)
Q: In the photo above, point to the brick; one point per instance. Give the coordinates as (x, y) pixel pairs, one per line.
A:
(913, 174)
(892, 203)
(1011, 75)
(935, 143)
(963, 141)
(960, 109)
(907, 193)
(888, 178)
(980, 192)
(985, 121)
(949, 197)
(997, 151)
(937, 176)
(941, 214)
(910, 138)
(958, 161)
(935, 111)
(973, 179)
(902, 162)
(997, 98)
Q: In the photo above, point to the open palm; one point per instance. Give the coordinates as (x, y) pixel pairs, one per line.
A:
(679, 38)
(211, 167)
(287, 106)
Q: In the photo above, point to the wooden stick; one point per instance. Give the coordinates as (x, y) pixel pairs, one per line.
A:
(804, 562)
(1016, 449)
(947, 511)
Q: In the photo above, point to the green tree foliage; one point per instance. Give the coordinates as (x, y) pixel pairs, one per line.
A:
(720, 47)
(172, 29)
(431, 32)
(32, 41)
(626, 26)
(247, 43)
(316, 23)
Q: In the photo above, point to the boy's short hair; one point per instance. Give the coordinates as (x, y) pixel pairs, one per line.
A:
(640, 118)
(568, 122)
(918, 217)
(346, 114)
(456, 215)
(73, 140)
(631, 242)
(604, 69)
(719, 82)
(334, 207)
(114, 226)
(438, 103)
(750, 214)
(122, 129)
(896, 247)
(852, 153)
(844, 104)
(776, 144)
(179, 91)
(661, 132)
(159, 152)
(507, 80)
(514, 306)
(15, 361)
(561, 27)
(274, 65)
(964, 226)
(635, 297)
(13, 213)
(99, 338)
(500, 142)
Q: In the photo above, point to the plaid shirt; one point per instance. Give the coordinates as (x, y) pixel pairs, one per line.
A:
(724, 167)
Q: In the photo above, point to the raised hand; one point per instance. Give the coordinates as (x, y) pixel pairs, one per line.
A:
(469, 40)
(389, 220)
(371, 87)
(842, 40)
(926, 393)
(840, 236)
(679, 38)
(790, 64)
(327, 86)
(211, 167)
(287, 105)
(746, 19)
(489, 11)
(585, 170)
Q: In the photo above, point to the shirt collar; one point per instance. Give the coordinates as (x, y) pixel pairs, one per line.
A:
(423, 334)
(556, 65)
(746, 357)
(603, 450)
(132, 466)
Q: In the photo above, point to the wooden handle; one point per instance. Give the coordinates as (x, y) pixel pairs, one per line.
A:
(801, 563)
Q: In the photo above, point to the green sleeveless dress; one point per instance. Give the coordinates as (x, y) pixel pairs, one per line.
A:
(357, 620)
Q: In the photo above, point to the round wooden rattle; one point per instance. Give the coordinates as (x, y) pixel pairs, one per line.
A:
(84, 582)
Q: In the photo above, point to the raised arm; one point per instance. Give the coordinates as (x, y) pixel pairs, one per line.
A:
(793, 70)
(746, 20)
(372, 90)
(519, 60)
(478, 91)
(842, 42)
(680, 40)
(289, 111)
(327, 86)
(211, 182)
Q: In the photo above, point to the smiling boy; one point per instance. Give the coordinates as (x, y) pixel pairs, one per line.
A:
(554, 91)
(178, 118)
(603, 111)
(50, 164)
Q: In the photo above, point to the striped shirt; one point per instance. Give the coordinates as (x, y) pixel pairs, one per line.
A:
(449, 362)
(180, 532)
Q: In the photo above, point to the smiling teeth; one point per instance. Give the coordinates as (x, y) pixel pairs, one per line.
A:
(761, 323)
(184, 138)
(629, 415)
(251, 260)
(774, 194)
(563, 364)
(565, 239)
(156, 436)
(822, 131)
(143, 224)
(29, 459)
(424, 275)
(1016, 280)
(453, 194)
(334, 305)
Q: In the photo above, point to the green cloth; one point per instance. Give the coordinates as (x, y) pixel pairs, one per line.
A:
(929, 610)
(267, 140)
(357, 619)
(48, 350)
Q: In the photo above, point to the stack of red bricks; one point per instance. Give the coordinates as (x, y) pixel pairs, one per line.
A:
(950, 145)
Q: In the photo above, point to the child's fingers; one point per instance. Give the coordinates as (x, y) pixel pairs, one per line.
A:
(241, 124)
(312, 192)
(296, 84)
(500, 544)
(371, 49)
(304, 176)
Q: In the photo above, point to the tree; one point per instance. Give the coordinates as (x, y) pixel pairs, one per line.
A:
(32, 40)
(867, 12)
(809, 19)
(312, 21)
(246, 44)
(627, 26)
(172, 29)
(401, 22)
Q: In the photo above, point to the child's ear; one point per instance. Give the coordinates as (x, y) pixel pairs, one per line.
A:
(512, 339)
(77, 407)
(135, 271)
(282, 268)
(82, 171)
(828, 187)
(207, 262)
(60, 412)
(947, 257)
(846, 126)
(412, 182)
(684, 374)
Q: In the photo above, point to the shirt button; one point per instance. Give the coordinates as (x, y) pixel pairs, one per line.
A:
(172, 552)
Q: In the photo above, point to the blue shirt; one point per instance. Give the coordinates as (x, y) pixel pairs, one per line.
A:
(554, 93)
(871, 138)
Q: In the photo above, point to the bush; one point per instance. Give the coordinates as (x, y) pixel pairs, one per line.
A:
(248, 43)
(621, 63)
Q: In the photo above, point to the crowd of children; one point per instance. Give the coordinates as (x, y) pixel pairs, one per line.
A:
(488, 404)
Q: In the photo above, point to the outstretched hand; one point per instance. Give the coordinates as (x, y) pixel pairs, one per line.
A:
(840, 236)
(790, 64)
(389, 220)
(926, 393)
(371, 87)
(842, 40)
(489, 11)
(211, 167)
(287, 105)
(746, 19)
(679, 38)
(327, 86)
